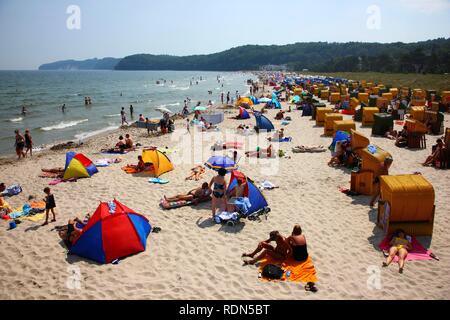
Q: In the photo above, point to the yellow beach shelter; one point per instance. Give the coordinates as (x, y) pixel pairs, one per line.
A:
(160, 161)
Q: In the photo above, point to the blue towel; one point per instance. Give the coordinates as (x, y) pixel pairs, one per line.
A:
(371, 148)
(243, 204)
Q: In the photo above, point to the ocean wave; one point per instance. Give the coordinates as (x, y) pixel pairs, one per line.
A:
(112, 115)
(182, 88)
(168, 105)
(63, 125)
(89, 134)
(15, 119)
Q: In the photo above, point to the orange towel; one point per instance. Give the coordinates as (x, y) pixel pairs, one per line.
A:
(131, 170)
(300, 271)
(37, 205)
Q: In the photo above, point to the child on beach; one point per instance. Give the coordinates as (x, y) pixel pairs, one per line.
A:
(19, 144)
(50, 205)
(28, 143)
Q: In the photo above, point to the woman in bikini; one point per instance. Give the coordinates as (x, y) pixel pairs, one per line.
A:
(218, 185)
(399, 246)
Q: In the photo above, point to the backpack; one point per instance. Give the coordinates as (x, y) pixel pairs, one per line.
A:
(272, 271)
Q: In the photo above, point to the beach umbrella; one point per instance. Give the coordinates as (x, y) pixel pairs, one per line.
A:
(264, 100)
(200, 108)
(163, 110)
(217, 162)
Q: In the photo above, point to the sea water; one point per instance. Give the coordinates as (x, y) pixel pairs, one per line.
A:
(44, 92)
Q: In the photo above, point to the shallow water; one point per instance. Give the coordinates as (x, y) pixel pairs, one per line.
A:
(44, 92)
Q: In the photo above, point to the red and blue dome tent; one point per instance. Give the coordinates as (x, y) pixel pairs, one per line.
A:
(254, 195)
(262, 123)
(243, 114)
(114, 231)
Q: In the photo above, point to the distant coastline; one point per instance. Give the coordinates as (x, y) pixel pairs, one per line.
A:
(429, 56)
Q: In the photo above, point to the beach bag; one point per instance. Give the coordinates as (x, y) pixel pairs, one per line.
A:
(271, 271)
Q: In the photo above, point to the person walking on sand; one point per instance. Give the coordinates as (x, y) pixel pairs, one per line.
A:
(218, 185)
(188, 126)
(50, 205)
(19, 144)
(28, 143)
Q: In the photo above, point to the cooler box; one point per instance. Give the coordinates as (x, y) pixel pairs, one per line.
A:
(406, 202)
(367, 116)
(324, 94)
(382, 123)
(315, 106)
(362, 182)
(363, 97)
(358, 140)
(418, 113)
(373, 100)
(335, 97)
(329, 122)
(343, 125)
(320, 115)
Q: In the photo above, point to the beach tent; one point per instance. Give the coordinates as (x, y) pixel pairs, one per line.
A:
(254, 99)
(264, 100)
(78, 166)
(160, 161)
(262, 123)
(114, 231)
(243, 114)
(253, 194)
(244, 100)
(218, 162)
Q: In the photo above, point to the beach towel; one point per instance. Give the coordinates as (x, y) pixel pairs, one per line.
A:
(285, 123)
(132, 169)
(418, 252)
(167, 205)
(225, 216)
(114, 152)
(267, 185)
(242, 204)
(285, 139)
(58, 181)
(105, 162)
(12, 190)
(308, 149)
(299, 271)
(35, 218)
(158, 181)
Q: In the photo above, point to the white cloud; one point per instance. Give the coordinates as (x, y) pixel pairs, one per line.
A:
(427, 6)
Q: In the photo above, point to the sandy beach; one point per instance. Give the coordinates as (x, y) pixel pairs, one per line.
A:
(194, 258)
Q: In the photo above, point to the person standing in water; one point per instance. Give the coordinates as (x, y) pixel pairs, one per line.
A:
(28, 143)
(63, 108)
(24, 110)
(19, 144)
(131, 110)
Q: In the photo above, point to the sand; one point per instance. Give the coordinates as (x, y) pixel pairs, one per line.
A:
(193, 258)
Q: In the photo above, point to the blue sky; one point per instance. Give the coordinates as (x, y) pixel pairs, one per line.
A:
(35, 32)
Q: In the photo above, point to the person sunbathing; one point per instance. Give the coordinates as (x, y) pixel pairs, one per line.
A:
(197, 194)
(196, 173)
(391, 134)
(402, 137)
(72, 231)
(141, 166)
(297, 241)
(261, 153)
(281, 252)
(279, 115)
(278, 136)
(338, 158)
(400, 246)
(436, 155)
(52, 173)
